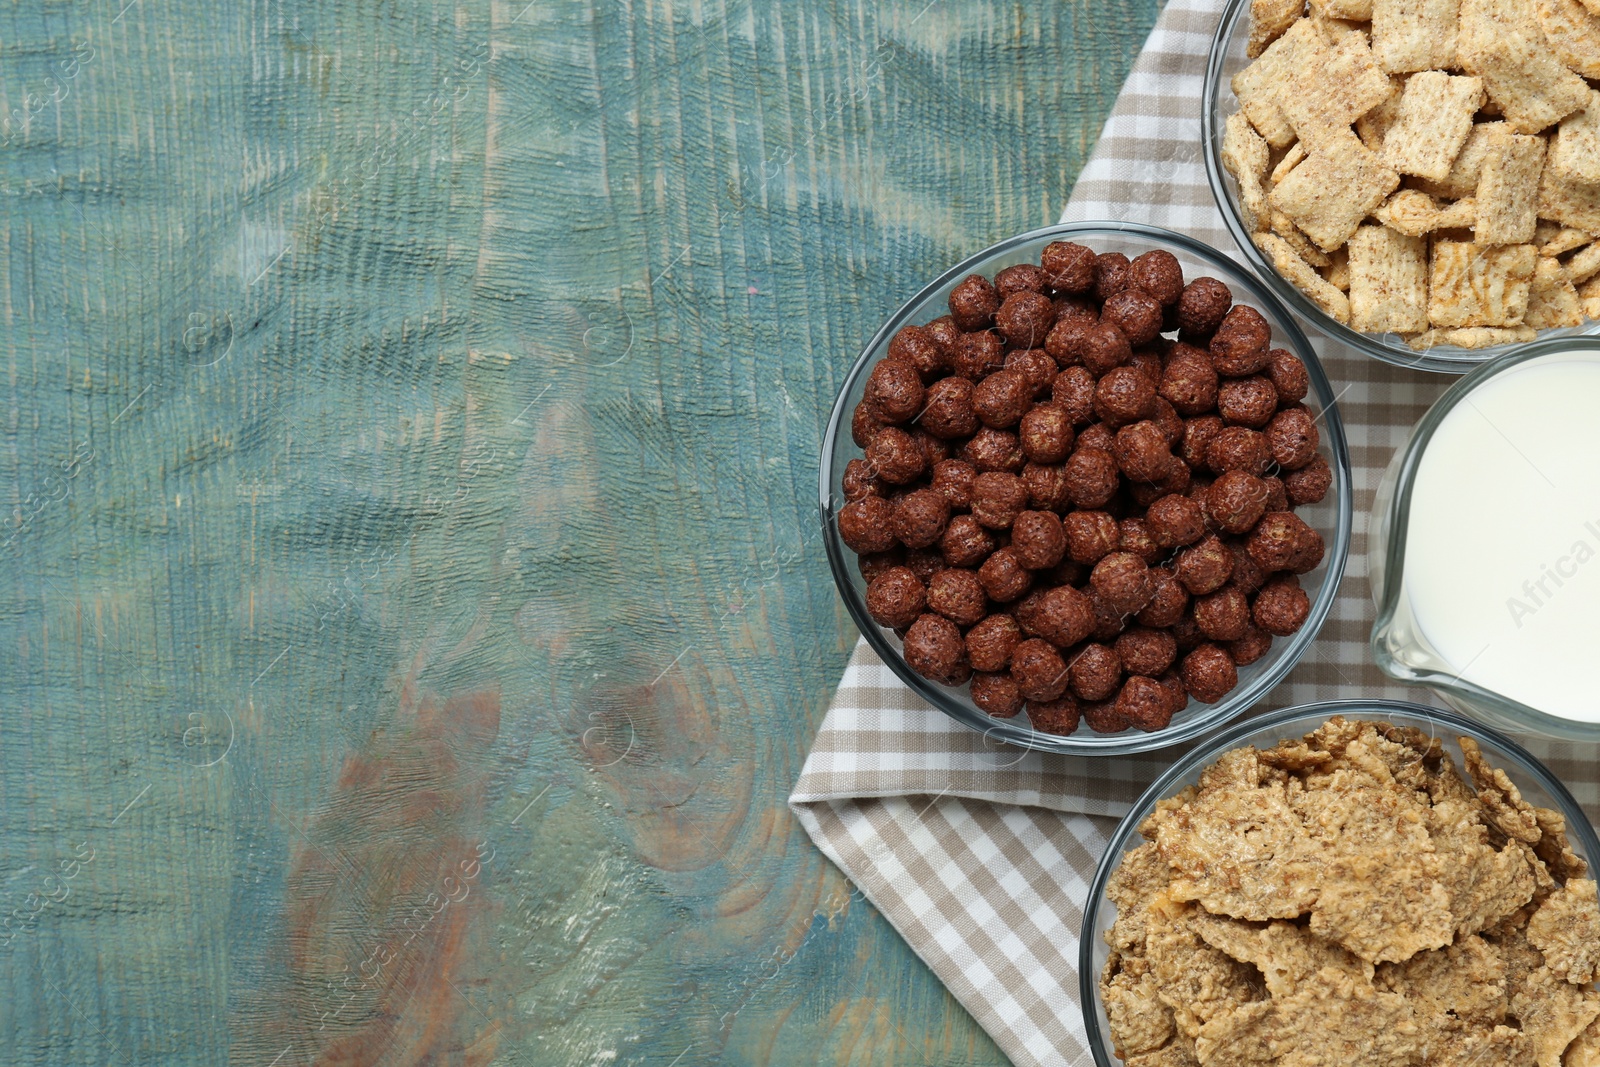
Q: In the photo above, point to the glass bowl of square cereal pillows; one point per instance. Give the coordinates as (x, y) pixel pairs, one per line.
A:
(1418, 178)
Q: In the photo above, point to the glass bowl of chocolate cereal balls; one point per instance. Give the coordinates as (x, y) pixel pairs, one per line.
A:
(1088, 491)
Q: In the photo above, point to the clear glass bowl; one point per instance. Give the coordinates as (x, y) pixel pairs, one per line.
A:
(1398, 645)
(1537, 784)
(1218, 102)
(1331, 517)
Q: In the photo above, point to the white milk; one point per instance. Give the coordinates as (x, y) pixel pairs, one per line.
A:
(1502, 562)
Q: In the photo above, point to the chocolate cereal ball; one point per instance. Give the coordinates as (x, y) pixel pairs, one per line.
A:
(1208, 673)
(1247, 573)
(1103, 347)
(1068, 267)
(1309, 484)
(1282, 606)
(896, 597)
(917, 347)
(997, 498)
(1235, 448)
(896, 457)
(1046, 433)
(1178, 480)
(1059, 716)
(1097, 435)
(1255, 643)
(1124, 395)
(864, 425)
(1145, 704)
(1070, 308)
(991, 642)
(1133, 535)
(1122, 580)
(1136, 313)
(1198, 433)
(875, 563)
(1003, 578)
(965, 543)
(952, 479)
(1174, 521)
(1168, 600)
(1247, 401)
(1036, 368)
(1001, 398)
(894, 389)
(934, 649)
(1073, 392)
(1146, 651)
(1189, 381)
(1158, 273)
(1204, 567)
(1111, 275)
(947, 409)
(1063, 616)
(920, 518)
(924, 563)
(1047, 486)
(994, 450)
(1092, 477)
(1292, 437)
(1186, 633)
(1091, 535)
(1038, 540)
(944, 332)
(1142, 452)
(973, 303)
(977, 354)
(867, 525)
(1289, 376)
(1201, 307)
(1172, 682)
(1102, 716)
(1025, 318)
(1019, 278)
(1038, 670)
(1223, 615)
(1108, 621)
(958, 595)
(1235, 502)
(1282, 541)
(861, 480)
(996, 694)
(1277, 495)
(1241, 344)
(1168, 421)
(1094, 672)
(1067, 338)
(1147, 361)
(933, 449)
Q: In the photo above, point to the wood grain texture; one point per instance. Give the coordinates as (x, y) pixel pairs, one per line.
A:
(411, 592)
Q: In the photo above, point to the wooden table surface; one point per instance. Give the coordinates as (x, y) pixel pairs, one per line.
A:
(413, 610)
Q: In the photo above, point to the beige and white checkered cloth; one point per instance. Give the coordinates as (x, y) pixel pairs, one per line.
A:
(980, 854)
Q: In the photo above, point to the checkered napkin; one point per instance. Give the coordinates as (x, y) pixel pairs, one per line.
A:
(980, 854)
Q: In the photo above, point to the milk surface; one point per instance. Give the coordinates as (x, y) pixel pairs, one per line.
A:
(1502, 562)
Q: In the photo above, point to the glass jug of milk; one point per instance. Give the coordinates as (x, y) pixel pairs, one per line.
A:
(1484, 546)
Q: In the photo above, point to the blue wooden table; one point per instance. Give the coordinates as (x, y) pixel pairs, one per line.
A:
(413, 611)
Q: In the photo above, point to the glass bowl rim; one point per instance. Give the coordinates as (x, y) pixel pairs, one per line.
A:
(1210, 716)
(1578, 824)
(1394, 552)
(1440, 360)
